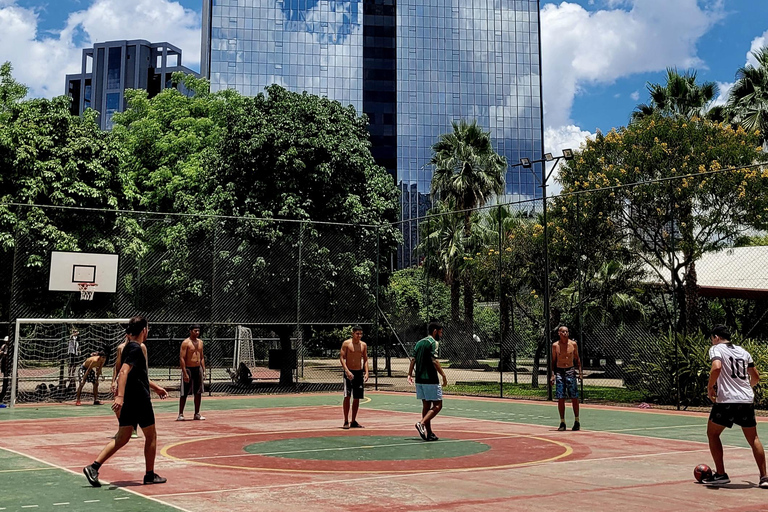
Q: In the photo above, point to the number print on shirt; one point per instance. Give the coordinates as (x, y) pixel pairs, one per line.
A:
(738, 368)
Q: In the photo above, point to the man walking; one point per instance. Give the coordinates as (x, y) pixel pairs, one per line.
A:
(565, 355)
(428, 389)
(354, 361)
(733, 372)
(192, 371)
(132, 404)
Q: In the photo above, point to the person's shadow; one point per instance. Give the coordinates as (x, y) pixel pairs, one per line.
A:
(745, 485)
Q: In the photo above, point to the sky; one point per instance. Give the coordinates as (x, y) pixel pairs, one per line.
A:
(598, 55)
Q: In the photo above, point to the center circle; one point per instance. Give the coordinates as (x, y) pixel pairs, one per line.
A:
(365, 448)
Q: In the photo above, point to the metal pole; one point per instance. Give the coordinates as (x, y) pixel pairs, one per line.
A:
(14, 379)
(547, 327)
(378, 321)
(298, 302)
(580, 288)
(501, 313)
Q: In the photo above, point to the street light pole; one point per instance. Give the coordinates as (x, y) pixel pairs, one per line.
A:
(527, 163)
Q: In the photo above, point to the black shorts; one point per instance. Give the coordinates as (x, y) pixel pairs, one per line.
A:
(91, 374)
(356, 386)
(138, 413)
(195, 384)
(727, 414)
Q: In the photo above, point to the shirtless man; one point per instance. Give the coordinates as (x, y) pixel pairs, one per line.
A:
(192, 371)
(90, 371)
(565, 353)
(354, 361)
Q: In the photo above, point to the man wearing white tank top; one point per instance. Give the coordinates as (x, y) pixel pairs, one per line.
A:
(731, 378)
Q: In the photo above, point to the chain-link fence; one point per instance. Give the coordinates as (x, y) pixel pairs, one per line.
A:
(636, 273)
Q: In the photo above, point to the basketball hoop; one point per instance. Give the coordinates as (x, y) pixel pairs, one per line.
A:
(85, 290)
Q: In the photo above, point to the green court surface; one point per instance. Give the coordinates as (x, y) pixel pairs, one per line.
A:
(33, 481)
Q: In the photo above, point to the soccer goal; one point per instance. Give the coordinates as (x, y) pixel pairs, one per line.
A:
(48, 352)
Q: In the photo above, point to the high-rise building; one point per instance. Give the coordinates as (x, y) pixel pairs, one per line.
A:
(109, 68)
(412, 66)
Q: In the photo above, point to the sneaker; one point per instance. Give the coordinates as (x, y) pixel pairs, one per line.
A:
(78, 403)
(422, 431)
(180, 418)
(432, 437)
(346, 425)
(576, 426)
(97, 402)
(561, 427)
(199, 417)
(763, 482)
(717, 479)
(154, 478)
(92, 475)
(355, 424)
(134, 435)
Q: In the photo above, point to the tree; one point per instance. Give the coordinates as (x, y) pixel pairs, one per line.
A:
(686, 186)
(285, 157)
(680, 96)
(467, 172)
(53, 159)
(748, 99)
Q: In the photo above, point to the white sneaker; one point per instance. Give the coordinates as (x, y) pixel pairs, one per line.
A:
(180, 418)
(198, 416)
(763, 482)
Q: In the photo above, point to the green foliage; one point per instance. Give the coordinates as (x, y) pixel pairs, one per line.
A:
(680, 96)
(748, 98)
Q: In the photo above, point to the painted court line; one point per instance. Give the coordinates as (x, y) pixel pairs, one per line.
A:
(25, 470)
(650, 428)
(416, 474)
(151, 498)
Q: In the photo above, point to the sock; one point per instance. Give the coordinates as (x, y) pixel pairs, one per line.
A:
(562, 419)
(96, 465)
(577, 418)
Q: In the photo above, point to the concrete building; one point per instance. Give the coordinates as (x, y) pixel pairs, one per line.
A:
(109, 68)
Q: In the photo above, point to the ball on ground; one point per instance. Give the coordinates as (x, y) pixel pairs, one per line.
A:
(701, 472)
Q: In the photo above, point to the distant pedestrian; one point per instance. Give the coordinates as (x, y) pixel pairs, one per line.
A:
(565, 362)
(354, 362)
(192, 371)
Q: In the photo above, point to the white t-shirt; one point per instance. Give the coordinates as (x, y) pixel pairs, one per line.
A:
(733, 382)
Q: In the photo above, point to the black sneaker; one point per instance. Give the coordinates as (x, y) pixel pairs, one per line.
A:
(432, 437)
(355, 424)
(562, 427)
(576, 426)
(422, 431)
(717, 479)
(154, 478)
(92, 475)
(763, 482)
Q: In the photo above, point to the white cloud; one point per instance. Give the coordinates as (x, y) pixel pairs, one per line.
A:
(41, 61)
(757, 43)
(564, 137)
(635, 95)
(724, 89)
(580, 48)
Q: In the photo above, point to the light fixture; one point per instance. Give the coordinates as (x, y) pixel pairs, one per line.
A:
(568, 154)
(525, 162)
(548, 157)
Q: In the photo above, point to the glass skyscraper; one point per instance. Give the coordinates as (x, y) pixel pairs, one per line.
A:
(412, 66)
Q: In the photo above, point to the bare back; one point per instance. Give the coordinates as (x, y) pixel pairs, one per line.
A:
(355, 354)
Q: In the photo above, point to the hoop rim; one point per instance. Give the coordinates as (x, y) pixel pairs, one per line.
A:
(85, 286)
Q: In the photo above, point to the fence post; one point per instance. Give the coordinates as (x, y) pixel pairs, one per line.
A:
(579, 281)
(298, 300)
(501, 303)
(378, 319)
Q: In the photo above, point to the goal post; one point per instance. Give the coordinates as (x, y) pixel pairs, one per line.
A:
(42, 348)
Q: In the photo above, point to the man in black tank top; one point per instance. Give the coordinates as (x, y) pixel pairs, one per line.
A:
(132, 405)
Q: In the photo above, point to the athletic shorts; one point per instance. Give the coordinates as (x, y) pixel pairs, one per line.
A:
(726, 414)
(91, 375)
(137, 413)
(429, 392)
(195, 384)
(355, 387)
(566, 383)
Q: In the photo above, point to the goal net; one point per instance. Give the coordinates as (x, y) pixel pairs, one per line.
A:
(48, 353)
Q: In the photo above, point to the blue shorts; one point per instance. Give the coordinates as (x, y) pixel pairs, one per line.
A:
(566, 384)
(429, 392)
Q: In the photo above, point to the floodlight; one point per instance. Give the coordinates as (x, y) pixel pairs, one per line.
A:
(525, 162)
(568, 154)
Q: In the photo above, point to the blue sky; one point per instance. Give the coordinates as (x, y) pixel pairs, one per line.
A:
(598, 54)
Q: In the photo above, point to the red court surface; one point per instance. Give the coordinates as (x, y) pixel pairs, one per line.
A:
(523, 466)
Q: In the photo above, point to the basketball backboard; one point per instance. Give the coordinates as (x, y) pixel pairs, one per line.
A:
(70, 268)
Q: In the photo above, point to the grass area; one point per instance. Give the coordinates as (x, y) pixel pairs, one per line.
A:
(605, 393)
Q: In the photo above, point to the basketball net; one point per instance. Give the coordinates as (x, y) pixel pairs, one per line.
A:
(86, 293)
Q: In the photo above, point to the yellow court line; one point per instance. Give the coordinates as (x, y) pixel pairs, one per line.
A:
(568, 450)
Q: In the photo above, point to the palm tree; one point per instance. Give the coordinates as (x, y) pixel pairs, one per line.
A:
(748, 99)
(467, 172)
(679, 96)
